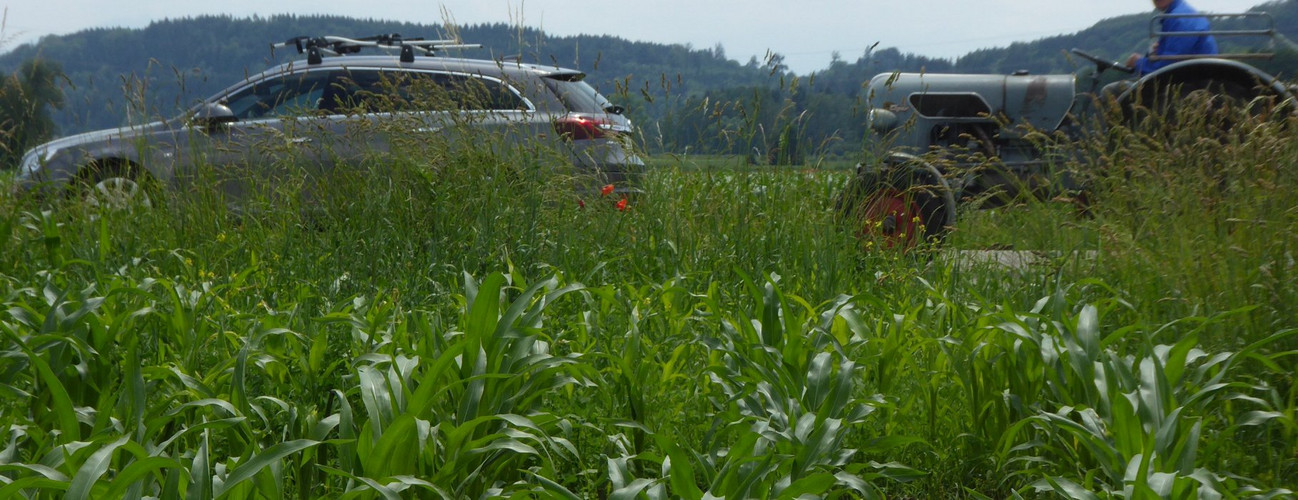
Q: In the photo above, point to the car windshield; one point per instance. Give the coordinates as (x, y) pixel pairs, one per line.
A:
(577, 95)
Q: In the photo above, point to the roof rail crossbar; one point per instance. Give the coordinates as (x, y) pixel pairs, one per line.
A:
(317, 47)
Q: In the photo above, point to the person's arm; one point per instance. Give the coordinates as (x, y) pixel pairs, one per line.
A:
(1142, 64)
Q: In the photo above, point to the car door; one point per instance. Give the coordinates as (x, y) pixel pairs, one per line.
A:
(276, 144)
(424, 109)
(495, 115)
(378, 109)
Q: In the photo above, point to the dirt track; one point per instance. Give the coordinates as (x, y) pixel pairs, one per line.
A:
(1017, 260)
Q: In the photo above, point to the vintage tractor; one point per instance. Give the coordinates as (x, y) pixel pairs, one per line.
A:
(948, 140)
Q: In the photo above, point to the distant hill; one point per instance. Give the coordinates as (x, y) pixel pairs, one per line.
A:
(673, 91)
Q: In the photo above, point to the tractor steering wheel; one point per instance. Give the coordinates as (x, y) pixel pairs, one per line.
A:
(1103, 64)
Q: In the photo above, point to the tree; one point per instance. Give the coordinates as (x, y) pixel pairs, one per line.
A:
(25, 100)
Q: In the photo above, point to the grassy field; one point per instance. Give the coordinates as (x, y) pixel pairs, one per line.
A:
(459, 327)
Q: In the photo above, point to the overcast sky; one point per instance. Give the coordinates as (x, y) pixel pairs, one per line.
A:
(806, 32)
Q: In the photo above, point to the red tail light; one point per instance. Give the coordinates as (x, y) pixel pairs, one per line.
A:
(576, 127)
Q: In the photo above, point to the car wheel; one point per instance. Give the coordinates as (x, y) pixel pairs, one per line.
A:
(118, 193)
(115, 188)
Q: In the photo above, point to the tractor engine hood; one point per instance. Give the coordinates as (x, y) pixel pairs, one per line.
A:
(1037, 101)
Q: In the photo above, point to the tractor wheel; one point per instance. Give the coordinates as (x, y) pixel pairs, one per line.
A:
(891, 218)
(1212, 96)
(1171, 104)
(899, 207)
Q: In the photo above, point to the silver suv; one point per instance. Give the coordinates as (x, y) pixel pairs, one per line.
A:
(323, 111)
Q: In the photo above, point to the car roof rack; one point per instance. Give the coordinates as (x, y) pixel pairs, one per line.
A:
(1266, 30)
(317, 47)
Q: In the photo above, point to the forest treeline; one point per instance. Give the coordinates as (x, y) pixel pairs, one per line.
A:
(683, 98)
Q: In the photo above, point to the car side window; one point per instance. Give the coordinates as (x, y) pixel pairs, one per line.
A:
(377, 91)
(368, 91)
(288, 95)
(483, 94)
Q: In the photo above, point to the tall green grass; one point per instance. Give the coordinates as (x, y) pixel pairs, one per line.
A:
(450, 322)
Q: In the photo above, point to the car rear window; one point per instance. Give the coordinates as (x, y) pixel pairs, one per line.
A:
(577, 95)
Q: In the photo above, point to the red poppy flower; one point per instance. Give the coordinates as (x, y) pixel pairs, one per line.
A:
(607, 190)
(621, 205)
(581, 204)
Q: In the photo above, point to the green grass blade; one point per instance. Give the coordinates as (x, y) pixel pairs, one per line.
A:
(259, 461)
(137, 471)
(64, 412)
(94, 468)
(13, 489)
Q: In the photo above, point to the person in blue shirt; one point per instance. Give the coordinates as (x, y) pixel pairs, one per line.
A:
(1175, 45)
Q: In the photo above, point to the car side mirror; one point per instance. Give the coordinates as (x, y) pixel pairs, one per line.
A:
(213, 114)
